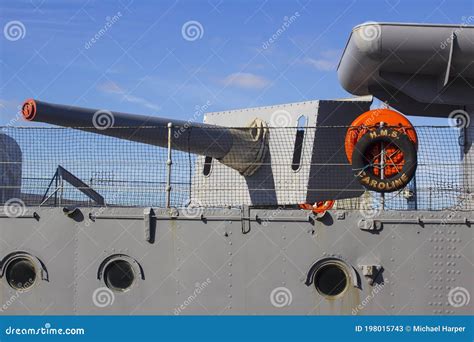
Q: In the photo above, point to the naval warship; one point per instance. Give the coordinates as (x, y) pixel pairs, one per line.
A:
(324, 207)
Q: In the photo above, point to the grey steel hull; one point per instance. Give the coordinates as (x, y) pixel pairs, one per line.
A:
(233, 262)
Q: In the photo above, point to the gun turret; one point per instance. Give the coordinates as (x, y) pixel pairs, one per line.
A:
(241, 149)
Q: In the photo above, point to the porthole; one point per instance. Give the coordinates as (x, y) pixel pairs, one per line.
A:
(332, 277)
(331, 280)
(20, 273)
(119, 275)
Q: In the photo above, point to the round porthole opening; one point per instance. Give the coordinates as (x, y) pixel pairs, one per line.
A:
(119, 275)
(20, 273)
(331, 280)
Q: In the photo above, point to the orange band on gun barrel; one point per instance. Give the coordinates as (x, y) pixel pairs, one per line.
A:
(29, 109)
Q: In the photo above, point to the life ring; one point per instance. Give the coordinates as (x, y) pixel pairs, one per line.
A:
(400, 159)
(371, 120)
(318, 207)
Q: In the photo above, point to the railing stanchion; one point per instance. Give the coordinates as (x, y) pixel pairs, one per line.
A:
(169, 162)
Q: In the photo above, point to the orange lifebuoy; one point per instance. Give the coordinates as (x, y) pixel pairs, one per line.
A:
(318, 207)
(371, 120)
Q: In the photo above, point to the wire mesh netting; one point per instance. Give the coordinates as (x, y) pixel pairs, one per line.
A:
(65, 166)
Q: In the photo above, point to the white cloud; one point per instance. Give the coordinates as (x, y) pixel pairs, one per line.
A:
(332, 53)
(327, 62)
(110, 87)
(245, 80)
(321, 64)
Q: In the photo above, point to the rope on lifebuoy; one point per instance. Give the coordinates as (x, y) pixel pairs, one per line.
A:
(364, 169)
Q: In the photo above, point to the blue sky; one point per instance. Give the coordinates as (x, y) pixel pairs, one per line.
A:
(143, 63)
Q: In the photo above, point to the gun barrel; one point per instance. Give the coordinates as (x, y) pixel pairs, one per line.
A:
(241, 149)
(208, 140)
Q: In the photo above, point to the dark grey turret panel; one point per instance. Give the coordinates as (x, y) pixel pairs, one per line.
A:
(418, 69)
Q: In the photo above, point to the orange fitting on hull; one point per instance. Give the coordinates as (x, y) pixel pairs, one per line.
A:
(319, 207)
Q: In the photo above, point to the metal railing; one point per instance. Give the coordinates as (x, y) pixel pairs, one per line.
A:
(126, 173)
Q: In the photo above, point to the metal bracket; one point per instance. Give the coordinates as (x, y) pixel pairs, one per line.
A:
(150, 224)
(245, 217)
(173, 213)
(370, 225)
(62, 175)
(71, 211)
(371, 272)
(35, 216)
(317, 216)
(422, 221)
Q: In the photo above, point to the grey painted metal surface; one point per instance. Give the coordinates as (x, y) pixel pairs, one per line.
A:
(10, 168)
(418, 69)
(468, 149)
(208, 266)
(258, 261)
(321, 156)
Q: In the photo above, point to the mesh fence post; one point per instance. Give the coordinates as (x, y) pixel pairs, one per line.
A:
(169, 162)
